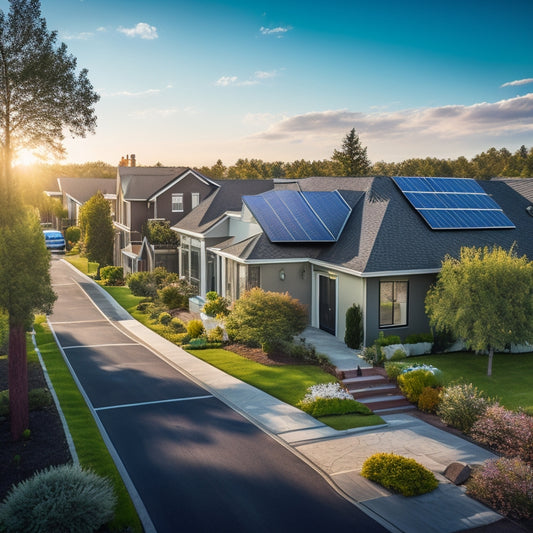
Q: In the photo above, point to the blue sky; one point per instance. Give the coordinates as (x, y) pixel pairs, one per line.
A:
(187, 83)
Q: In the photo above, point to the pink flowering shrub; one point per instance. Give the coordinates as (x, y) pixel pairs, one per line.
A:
(506, 432)
(504, 484)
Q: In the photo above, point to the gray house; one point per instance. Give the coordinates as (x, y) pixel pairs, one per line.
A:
(335, 242)
(153, 193)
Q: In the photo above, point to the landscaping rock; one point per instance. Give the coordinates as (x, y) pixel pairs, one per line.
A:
(457, 473)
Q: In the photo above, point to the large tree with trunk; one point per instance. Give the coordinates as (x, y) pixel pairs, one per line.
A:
(484, 298)
(42, 97)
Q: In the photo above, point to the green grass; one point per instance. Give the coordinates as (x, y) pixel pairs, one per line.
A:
(510, 381)
(82, 264)
(90, 447)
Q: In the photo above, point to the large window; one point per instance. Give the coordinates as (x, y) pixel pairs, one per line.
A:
(393, 303)
(254, 276)
(177, 202)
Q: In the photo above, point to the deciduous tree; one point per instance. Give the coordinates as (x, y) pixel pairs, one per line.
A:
(485, 298)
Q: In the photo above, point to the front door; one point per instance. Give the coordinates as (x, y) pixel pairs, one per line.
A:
(327, 309)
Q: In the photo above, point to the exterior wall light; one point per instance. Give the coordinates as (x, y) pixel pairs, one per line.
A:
(282, 275)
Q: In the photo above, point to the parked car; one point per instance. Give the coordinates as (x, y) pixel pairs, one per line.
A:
(54, 240)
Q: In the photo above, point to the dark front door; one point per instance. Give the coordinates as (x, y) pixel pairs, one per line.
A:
(327, 310)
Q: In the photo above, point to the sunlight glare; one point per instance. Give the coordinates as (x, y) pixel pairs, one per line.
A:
(25, 158)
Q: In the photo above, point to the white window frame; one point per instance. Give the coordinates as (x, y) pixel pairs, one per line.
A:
(195, 199)
(177, 202)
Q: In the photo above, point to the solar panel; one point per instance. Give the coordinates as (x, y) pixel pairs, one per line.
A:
(453, 203)
(293, 216)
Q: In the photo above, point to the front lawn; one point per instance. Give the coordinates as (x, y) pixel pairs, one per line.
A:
(510, 381)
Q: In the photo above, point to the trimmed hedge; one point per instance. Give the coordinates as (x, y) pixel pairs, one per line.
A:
(400, 474)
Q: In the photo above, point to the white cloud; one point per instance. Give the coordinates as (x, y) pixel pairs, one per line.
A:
(82, 36)
(515, 83)
(224, 81)
(278, 31)
(138, 93)
(257, 77)
(419, 130)
(142, 30)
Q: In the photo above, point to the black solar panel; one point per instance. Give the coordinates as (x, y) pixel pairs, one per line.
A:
(453, 203)
(294, 216)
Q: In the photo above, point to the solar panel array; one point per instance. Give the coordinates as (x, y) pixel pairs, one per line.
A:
(453, 203)
(296, 216)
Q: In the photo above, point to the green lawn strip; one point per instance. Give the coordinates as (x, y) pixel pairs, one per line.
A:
(342, 422)
(510, 381)
(82, 264)
(90, 447)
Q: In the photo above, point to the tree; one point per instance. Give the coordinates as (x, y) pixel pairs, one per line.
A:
(25, 288)
(41, 96)
(484, 298)
(352, 159)
(97, 232)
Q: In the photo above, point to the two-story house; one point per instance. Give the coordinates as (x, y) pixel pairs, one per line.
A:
(152, 193)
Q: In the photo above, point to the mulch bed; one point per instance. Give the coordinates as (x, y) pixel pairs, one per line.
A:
(46, 445)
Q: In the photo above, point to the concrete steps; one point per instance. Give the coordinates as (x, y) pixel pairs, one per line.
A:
(371, 387)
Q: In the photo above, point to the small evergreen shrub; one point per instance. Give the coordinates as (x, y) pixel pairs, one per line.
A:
(398, 355)
(59, 499)
(142, 284)
(504, 484)
(177, 325)
(383, 340)
(373, 354)
(394, 369)
(39, 399)
(461, 405)
(4, 333)
(165, 318)
(330, 399)
(195, 328)
(428, 401)
(506, 432)
(173, 298)
(400, 474)
(353, 336)
(413, 382)
(112, 275)
(216, 305)
(72, 235)
(215, 335)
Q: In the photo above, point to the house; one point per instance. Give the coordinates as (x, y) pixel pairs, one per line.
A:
(76, 191)
(153, 193)
(332, 242)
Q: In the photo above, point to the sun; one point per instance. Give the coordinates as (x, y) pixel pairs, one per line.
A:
(25, 158)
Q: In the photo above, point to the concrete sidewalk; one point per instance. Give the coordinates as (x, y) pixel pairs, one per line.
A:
(338, 455)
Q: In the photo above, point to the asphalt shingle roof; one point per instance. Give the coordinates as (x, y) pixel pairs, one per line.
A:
(81, 189)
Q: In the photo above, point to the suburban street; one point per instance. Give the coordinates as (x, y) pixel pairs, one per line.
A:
(194, 463)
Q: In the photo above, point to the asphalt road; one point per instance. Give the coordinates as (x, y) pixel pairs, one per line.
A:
(196, 465)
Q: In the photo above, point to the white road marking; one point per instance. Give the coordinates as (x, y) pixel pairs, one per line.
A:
(154, 402)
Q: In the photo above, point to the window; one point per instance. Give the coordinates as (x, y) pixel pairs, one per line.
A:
(195, 199)
(254, 276)
(393, 303)
(177, 202)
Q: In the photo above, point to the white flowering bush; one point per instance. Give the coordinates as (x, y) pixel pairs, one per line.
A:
(429, 368)
(327, 399)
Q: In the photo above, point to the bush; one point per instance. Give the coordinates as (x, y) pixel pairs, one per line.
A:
(259, 316)
(388, 340)
(394, 369)
(39, 399)
(429, 400)
(506, 432)
(216, 305)
(413, 382)
(62, 498)
(330, 399)
(72, 235)
(195, 328)
(142, 284)
(353, 336)
(165, 318)
(398, 355)
(399, 474)
(373, 354)
(4, 333)
(504, 484)
(215, 335)
(112, 275)
(461, 405)
(415, 338)
(177, 325)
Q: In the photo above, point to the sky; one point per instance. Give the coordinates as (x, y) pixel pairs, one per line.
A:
(188, 83)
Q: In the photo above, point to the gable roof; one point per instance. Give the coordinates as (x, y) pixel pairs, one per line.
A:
(384, 234)
(81, 189)
(146, 183)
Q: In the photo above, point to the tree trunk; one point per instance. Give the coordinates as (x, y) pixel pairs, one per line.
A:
(18, 381)
(491, 355)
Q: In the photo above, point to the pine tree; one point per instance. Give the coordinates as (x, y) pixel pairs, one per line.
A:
(352, 159)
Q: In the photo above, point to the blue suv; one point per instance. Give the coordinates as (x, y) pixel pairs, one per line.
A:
(54, 240)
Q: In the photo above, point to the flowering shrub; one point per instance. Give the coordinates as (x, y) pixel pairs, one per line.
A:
(429, 368)
(412, 381)
(504, 484)
(399, 474)
(394, 369)
(330, 399)
(461, 405)
(506, 432)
